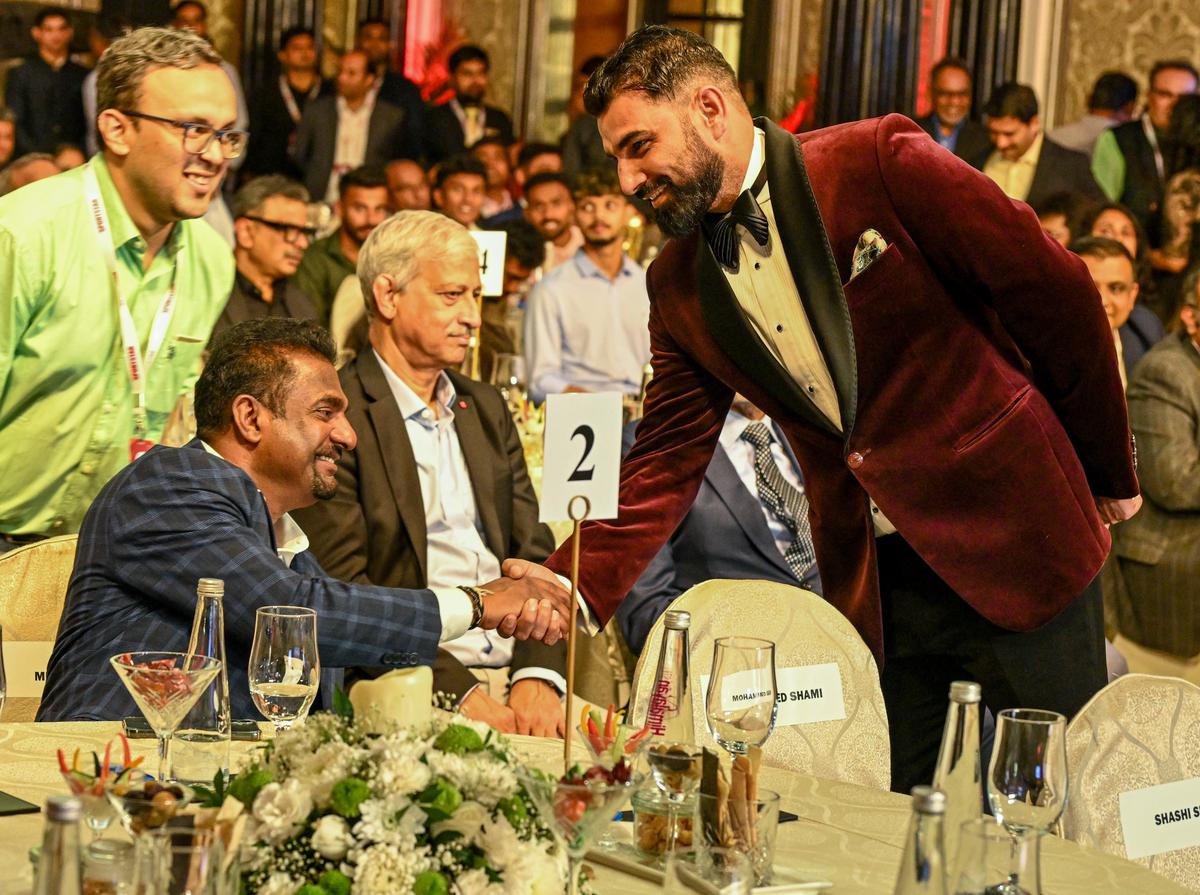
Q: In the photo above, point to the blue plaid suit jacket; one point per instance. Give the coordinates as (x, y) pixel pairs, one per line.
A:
(181, 514)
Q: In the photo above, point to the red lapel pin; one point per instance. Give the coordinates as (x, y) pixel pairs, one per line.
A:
(462, 404)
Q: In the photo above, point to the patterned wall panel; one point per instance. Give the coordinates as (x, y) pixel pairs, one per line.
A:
(493, 25)
(1128, 35)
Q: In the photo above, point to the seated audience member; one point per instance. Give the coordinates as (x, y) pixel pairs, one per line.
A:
(68, 156)
(408, 185)
(466, 119)
(1157, 606)
(374, 38)
(750, 520)
(1023, 161)
(8, 137)
(271, 420)
(1112, 271)
(586, 321)
(534, 158)
(29, 168)
(436, 491)
(950, 121)
(1144, 328)
(271, 223)
(192, 15)
(1061, 216)
(460, 188)
(498, 204)
(550, 208)
(343, 132)
(1110, 103)
(363, 202)
(500, 332)
(1180, 244)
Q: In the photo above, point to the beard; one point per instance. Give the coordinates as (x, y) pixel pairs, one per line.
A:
(322, 488)
(691, 196)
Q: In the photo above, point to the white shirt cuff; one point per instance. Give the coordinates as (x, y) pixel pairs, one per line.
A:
(586, 619)
(553, 678)
(456, 610)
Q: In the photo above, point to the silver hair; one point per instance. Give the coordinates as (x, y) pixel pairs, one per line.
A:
(398, 246)
(253, 194)
(124, 65)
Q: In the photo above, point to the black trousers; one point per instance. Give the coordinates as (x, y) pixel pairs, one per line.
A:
(933, 637)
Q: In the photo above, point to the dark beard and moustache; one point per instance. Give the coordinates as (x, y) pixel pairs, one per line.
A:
(324, 489)
(688, 201)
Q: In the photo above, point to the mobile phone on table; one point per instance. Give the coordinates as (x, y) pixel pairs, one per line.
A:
(137, 728)
(10, 804)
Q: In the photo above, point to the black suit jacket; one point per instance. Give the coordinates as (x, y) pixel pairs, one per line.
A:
(273, 131)
(972, 139)
(404, 94)
(373, 530)
(1059, 170)
(1143, 190)
(316, 140)
(444, 132)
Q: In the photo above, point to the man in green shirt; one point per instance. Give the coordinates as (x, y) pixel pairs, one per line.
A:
(108, 287)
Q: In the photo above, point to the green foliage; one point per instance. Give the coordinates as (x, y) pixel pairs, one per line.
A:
(334, 882)
(458, 739)
(515, 811)
(342, 707)
(440, 799)
(431, 883)
(245, 787)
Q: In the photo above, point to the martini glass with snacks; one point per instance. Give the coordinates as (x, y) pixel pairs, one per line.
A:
(165, 686)
(676, 770)
(609, 741)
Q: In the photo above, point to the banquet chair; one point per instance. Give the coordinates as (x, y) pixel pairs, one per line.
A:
(1139, 731)
(806, 630)
(33, 587)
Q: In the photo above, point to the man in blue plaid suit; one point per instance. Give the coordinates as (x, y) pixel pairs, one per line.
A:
(271, 422)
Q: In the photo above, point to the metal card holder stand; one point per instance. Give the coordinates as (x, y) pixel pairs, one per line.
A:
(576, 518)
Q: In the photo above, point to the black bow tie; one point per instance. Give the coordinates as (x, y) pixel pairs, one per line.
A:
(722, 231)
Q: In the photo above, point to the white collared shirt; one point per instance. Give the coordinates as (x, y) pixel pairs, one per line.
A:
(350, 144)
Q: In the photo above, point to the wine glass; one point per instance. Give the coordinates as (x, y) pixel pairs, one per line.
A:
(576, 812)
(508, 375)
(284, 666)
(676, 768)
(165, 686)
(740, 702)
(1027, 786)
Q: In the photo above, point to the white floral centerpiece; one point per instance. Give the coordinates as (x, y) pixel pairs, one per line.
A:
(433, 809)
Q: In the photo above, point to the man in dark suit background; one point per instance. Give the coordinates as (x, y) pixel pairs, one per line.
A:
(340, 133)
(271, 426)
(737, 528)
(950, 121)
(374, 38)
(1023, 161)
(437, 488)
(459, 124)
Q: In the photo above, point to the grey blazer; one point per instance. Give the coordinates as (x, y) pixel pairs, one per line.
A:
(316, 140)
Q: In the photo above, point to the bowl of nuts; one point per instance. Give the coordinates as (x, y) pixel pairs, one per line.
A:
(142, 803)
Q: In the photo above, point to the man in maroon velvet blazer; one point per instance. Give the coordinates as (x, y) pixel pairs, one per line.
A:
(978, 408)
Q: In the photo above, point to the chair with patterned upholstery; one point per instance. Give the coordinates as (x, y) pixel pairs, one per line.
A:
(33, 587)
(1139, 731)
(806, 631)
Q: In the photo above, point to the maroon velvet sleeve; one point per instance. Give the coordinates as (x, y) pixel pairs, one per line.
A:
(685, 410)
(970, 232)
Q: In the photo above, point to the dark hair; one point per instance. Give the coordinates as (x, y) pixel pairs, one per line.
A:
(1141, 258)
(1074, 207)
(371, 20)
(1170, 64)
(1181, 143)
(50, 12)
(196, 3)
(468, 53)
(590, 64)
(1100, 247)
(252, 194)
(1012, 100)
(660, 62)
(463, 163)
(492, 140)
(948, 62)
(530, 151)
(254, 358)
(602, 181)
(292, 33)
(110, 27)
(524, 243)
(366, 177)
(544, 177)
(1113, 91)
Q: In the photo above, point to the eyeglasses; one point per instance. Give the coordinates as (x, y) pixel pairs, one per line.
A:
(197, 137)
(291, 233)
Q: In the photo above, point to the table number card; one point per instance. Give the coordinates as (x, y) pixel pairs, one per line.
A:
(1161, 818)
(492, 244)
(582, 454)
(806, 694)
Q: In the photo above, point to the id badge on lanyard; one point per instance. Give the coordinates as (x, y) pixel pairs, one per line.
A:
(136, 364)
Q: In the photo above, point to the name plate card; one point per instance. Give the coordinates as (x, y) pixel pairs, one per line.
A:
(806, 694)
(582, 454)
(492, 244)
(25, 663)
(1161, 818)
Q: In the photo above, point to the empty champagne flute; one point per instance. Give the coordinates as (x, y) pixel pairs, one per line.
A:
(740, 702)
(284, 665)
(1027, 788)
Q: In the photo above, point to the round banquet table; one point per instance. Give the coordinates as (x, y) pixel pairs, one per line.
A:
(848, 834)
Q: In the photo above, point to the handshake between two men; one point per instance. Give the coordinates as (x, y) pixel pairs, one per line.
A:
(528, 603)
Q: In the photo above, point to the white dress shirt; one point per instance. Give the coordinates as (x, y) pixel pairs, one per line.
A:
(455, 551)
(350, 145)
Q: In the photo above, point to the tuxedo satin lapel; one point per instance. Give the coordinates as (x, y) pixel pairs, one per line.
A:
(745, 508)
(730, 329)
(811, 260)
(479, 457)
(398, 461)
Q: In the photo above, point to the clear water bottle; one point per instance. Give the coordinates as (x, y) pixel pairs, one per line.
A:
(669, 702)
(200, 747)
(58, 870)
(923, 866)
(958, 773)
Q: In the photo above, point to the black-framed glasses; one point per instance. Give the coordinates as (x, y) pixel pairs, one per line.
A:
(197, 136)
(291, 233)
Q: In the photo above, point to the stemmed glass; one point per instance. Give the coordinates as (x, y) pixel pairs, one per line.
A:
(676, 768)
(165, 686)
(508, 375)
(285, 668)
(1027, 788)
(607, 751)
(576, 812)
(740, 702)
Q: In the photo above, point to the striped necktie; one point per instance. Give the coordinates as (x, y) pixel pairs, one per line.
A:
(787, 504)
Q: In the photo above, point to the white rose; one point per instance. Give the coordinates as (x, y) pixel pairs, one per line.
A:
(468, 820)
(278, 884)
(331, 837)
(281, 810)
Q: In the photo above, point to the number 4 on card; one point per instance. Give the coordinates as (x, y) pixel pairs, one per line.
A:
(582, 454)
